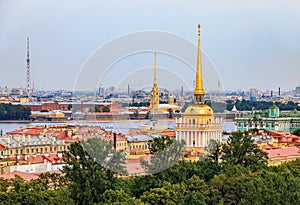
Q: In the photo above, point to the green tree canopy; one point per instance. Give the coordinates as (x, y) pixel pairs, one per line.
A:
(240, 149)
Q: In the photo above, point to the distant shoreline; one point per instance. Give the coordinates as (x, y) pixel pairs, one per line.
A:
(92, 121)
(71, 121)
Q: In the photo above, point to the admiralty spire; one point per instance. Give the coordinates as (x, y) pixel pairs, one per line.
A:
(198, 125)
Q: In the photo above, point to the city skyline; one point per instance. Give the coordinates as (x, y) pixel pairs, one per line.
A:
(249, 45)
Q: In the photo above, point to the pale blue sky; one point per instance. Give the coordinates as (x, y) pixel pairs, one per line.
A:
(250, 43)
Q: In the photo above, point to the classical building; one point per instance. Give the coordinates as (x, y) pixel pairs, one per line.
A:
(34, 140)
(270, 119)
(198, 125)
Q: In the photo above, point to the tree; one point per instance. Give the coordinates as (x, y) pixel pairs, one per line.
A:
(267, 187)
(197, 191)
(296, 132)
(158, 144)
(171, 114)
(32, 192)
(105, 109)
(167, 194)
(241, 149)
(165, 158)
(88, 179)
(14, 112)
(214, 151)
(230, 185)
(114, 197)
(104, 154)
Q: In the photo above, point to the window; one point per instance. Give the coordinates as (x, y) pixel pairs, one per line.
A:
(27, 151)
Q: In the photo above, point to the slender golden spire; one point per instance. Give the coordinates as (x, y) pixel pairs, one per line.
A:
(154, 81)
(199, 84)
(199, 91)
(155, 91)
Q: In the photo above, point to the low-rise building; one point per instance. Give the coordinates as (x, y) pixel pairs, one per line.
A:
(34, 140)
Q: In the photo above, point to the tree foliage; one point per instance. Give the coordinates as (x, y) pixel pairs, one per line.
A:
(225, 176)
(88, 179)
(165, 156)
(240, 149)
(158, 144)
(14, 112)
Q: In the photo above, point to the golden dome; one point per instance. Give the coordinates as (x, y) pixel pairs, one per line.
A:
(201, 109)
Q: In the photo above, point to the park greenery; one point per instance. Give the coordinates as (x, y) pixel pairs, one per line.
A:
(241, 105)
(248, 105)
(235, 172)
(13, 112)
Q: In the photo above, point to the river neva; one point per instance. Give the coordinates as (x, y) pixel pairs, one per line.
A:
(119, 127)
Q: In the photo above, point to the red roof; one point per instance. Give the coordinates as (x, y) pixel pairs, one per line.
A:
(285, 152)
(40, 158)
(133, 166)
(27, 131)
(2, 146)
(24, 175)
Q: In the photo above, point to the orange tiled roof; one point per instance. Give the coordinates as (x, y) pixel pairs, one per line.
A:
(284, 152)
(27, 131)
(23, 175)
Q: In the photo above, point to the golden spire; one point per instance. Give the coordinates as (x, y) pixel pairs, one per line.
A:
(199, 84)
(155, 82)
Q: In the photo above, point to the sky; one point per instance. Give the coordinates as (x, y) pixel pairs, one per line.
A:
(245, 44)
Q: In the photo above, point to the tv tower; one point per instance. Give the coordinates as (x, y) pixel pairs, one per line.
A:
(28, 69)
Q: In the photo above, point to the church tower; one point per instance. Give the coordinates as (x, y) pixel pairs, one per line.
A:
(154, 102)
(198, 125)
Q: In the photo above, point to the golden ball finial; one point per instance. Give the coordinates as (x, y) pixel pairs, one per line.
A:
(199, 29)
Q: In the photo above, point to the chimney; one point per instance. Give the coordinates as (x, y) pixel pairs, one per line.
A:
(115, 141)
(59, 154)
(271, 93)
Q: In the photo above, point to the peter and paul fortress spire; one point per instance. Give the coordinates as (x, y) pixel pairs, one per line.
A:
(154, 103)
(199, 91)
(154, 81)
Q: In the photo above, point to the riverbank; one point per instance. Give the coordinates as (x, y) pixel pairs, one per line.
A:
(82, 121)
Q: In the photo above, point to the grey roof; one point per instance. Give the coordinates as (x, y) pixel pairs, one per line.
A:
(138, 138)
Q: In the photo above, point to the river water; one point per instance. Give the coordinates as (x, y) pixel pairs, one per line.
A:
(119, 127)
